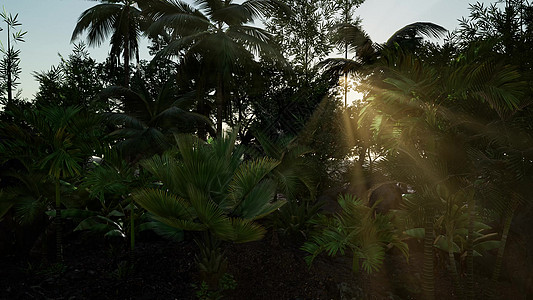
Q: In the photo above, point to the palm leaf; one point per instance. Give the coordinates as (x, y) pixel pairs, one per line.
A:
(98, 21)
(412, 31)
(246, 231)
(249, 175)
(164, 204)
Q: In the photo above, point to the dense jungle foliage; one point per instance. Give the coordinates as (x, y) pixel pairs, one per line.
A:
(297, 130)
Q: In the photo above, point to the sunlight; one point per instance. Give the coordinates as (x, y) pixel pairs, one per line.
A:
(238, 164)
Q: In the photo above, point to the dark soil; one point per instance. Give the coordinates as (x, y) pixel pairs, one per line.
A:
(267, 269)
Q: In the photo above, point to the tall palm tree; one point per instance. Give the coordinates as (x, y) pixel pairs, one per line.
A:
(120, 19)
(217, 31)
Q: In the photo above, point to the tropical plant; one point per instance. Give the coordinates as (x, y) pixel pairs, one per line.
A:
(450, 226)
(9, 65)
(146, 126)
(358, 231)
(209, 188)
(428, 115)
(119, 18)
(341, 30)
(111, 182)
(76, 80)
(56, 140)
(216, 31)
(295, 172)
(504, 146)
(296, 182)
(408, 38)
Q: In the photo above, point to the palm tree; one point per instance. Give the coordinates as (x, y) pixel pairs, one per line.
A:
(295, 174)
(146, 126)
(208, 188)
(217, 32)
(211, 189)
(367, 53)
(120, 19)
(356, 229)
(341, 37)
(57, 140)
(419, 108)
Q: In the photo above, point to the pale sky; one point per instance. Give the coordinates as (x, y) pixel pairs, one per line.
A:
(50, 24)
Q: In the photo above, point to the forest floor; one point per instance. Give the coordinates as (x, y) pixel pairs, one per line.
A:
(262, 270)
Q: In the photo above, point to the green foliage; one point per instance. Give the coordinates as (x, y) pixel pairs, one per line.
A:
(110, 182)
(357, 231)
(77, 80)
(119, 19)
(205, 293)
(295, 175)
(303, 34)
(216, 35)
(296, 218)
(207, 187)
(10, 62)
(152, 113)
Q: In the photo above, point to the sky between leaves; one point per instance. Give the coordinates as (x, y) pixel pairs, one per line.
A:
(50, 23)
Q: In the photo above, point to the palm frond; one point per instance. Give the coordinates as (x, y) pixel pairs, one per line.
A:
(414, 31)
(339, 66)
(256, 39)
(246, 231)
(177, 16)
(248, 175)
(355, 229)
(210, 214)
(98, 21)
(163, 204)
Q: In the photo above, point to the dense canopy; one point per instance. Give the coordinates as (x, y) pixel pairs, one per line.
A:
(247, 125)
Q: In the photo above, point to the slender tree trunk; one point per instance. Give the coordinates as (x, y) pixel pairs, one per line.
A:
(9, 79)
(346, 57)
(428, 280)
(201, 106)
(452, 265)
(220, 103)
(362, 155)
(126, 68)
(345, 89)
(58, 223)
(470, 249)
(132, 232)
(499, 259)
(127, 51)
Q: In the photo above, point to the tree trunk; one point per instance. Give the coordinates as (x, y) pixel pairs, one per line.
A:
(132, 232)
(452, 265)
(9, 79)
(346, 73)
(220, 103)
(499, 259)
(201, 107)
(428, 280)
(127, 51)
(58, 223)
(470, 249)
